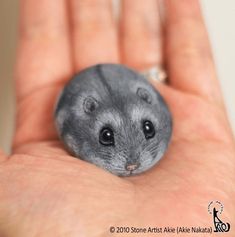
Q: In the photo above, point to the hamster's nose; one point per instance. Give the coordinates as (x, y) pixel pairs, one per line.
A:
(131, 167)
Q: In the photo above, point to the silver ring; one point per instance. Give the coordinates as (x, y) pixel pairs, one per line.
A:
(155, 73)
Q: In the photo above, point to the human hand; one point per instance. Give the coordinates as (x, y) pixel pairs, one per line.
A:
(46, 192)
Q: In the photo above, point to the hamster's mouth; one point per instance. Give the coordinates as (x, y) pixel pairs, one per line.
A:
(126, 173)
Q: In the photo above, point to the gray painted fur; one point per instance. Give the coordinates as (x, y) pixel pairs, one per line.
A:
(112, 95)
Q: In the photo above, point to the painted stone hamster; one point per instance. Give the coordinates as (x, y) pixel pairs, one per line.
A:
(111, 116)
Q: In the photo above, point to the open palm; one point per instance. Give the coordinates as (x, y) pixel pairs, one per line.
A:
(46, 192)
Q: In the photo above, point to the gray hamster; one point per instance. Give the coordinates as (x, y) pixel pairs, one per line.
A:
(111, 116)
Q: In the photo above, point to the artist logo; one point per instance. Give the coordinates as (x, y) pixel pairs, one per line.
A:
(216, 208)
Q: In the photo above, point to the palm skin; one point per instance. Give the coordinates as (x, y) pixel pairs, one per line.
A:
(52, 194)
(46, 192)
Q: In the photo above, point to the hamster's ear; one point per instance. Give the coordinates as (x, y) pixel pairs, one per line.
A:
(90, 104)
(144, 95)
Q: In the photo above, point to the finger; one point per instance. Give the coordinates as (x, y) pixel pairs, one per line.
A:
(188, 52)
(94, 33)
(141, 34)
(43, 65)
(2, 156)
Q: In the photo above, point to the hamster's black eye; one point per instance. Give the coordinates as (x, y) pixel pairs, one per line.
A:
(106, 137)
(148, 129)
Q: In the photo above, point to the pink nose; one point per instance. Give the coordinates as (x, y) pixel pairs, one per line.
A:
(132, 167)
